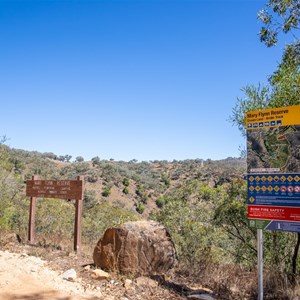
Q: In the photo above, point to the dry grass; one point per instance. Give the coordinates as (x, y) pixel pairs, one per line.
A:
(231, 282)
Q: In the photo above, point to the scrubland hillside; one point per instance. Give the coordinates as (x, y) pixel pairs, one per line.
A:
(202, 203)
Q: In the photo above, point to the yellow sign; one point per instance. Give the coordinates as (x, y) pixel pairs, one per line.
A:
(282, 116)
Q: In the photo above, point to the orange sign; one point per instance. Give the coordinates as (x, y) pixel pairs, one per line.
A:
(274, 117)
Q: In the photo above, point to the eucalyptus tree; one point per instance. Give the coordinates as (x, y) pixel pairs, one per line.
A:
(279, 16)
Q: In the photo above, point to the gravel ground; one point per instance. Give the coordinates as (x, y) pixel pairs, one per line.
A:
(24, 276)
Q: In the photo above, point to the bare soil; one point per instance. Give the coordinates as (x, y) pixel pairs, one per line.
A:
(31, 272)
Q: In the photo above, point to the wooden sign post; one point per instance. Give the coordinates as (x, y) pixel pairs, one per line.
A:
(31, 229)
(62, 189)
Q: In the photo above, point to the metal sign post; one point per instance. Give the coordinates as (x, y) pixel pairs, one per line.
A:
(260, 264)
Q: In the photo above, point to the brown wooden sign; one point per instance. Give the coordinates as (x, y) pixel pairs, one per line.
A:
(62, 189)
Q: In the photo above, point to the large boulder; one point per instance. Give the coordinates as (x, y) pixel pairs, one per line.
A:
(135, 248)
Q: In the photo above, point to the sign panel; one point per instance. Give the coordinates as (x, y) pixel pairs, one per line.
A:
(279, 213)
(62, 189)
(273, 167)
(274, 189)
(275, 225)
(268, 118)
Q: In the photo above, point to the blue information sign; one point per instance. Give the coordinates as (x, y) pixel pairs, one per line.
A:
(275, 225)
(274, 189)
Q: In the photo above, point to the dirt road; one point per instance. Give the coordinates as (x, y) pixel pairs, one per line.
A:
(24, 277)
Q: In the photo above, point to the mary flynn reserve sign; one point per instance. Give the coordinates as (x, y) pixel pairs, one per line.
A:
(273, 167)
(62, 189)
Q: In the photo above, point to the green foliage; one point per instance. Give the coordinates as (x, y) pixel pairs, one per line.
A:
(18, 165)
(68, 157)
(65, 158)
(160, 201)
(278, 16)
(231, 216)
(101, 217)
(140, 207)
(126, 182)
(141, 192)
(283, 89)
(92, 176)
(255, 98)
(165, 177)
(285, 81)
(79, 159)
(96, 160)
(5, 159)
(10, 197)
(89, 199)
(55, 217)
(106, 191)
(75, 169)
(125, 190)
(187, 216)
(50, 155)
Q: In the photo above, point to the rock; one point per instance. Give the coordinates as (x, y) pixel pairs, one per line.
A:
(202, 294)
(99, 274)
(70, 275)
(127, 284)
(201, 297)
(87, 268)
(145, 281)
(135, 248)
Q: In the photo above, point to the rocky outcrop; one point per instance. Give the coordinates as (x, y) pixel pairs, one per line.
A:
(135, 248)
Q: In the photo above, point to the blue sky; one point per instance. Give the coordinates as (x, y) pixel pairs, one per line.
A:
(143, 79)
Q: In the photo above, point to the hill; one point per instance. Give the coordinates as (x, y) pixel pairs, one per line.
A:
(202, 204)
(133, 186)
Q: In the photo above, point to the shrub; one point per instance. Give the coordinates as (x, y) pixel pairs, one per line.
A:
(101, 217)
(55, 220)
(165, 177)
(140, 208)
(160, 201)
(79, 159)
(126, 182)
(106, 191)
(89, 199)
(96, 160)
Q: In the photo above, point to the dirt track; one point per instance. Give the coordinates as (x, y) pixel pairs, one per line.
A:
(24, 277)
